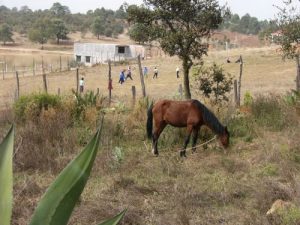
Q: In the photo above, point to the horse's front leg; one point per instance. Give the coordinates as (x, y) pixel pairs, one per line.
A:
(187, 140)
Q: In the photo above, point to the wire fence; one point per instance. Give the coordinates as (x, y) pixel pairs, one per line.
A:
(37, 67)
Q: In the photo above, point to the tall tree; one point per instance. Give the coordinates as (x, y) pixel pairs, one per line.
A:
(40, 32)
(5, 33)
(59, 10)
(289, 25)
(98, 26)
(59, 30)
(181, 27)
(139, 33)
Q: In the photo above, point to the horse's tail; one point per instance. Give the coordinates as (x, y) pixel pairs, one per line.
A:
(150, 121)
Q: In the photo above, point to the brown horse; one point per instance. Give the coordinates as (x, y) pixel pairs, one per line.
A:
(191, 114)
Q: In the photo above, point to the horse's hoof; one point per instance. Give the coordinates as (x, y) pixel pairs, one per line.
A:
(182, 154)
(155, 153)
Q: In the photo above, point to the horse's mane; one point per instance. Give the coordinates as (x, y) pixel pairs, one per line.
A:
(209, 118)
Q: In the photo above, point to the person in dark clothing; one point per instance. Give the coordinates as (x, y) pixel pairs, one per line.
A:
(129, 74)
(155, 73)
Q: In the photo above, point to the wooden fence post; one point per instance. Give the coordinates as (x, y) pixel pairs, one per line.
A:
(3, 71)
(58, 91)
(60, 66)
(69, 68)
(235, 93)
(18, 85)
(141, 76)
(109, 82)
(77, 80)
(5, 65)
(180, 90)
(33, 67)
(133, 95)
(44, 77)
(298, 73)
(240, 80)
(45, 82)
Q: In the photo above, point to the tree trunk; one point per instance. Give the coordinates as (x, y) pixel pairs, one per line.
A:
(57, 41)
(186, 83)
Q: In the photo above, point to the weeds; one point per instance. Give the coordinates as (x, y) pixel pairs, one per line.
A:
(31, 106)
(267, 112)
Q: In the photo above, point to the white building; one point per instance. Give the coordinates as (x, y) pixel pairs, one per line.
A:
(92, 53)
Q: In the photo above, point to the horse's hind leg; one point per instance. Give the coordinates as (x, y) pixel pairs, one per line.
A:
(159, 127)
(187, 140)
(195, 137)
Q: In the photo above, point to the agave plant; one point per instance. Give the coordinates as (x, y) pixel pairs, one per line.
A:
(58, 202)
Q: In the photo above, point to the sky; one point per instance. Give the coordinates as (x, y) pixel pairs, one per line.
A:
(262, 9)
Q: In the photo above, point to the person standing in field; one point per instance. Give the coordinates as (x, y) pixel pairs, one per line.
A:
(122, 77)
(145, 71)
(81, 85)
(177, 72)
(129, 73)
(155, 72)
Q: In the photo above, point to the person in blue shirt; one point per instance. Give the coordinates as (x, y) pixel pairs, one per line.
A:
(122, 77)
(146, 71)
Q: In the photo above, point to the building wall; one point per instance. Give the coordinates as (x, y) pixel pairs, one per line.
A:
(91, 53)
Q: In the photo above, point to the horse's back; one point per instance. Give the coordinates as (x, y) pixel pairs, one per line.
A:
(176, 113)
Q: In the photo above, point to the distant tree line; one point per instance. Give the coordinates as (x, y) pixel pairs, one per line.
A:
(248, 24)
(58, 21)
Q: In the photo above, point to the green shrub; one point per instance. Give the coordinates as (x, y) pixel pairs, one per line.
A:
(32, 105)
(291, 216)
(88, 99)
(212, 82)
(248, 99)
(243, 127)
(270, 170)
(267, 111)
(292, 98)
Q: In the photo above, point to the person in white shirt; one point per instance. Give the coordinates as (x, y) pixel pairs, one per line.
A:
(155, 73)
(177, 72)
(81, 85)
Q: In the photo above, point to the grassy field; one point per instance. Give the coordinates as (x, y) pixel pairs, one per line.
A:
(207, 188)
(264, 71)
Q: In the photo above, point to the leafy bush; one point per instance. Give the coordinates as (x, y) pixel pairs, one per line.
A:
(248, 99)
(88, 99)
(31, 106)
(213, 82)
(74, 64)
(292, 98)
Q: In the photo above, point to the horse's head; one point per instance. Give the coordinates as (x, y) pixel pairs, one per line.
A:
(224, 138)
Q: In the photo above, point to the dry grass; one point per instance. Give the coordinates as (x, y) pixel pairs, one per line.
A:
(207, 188)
